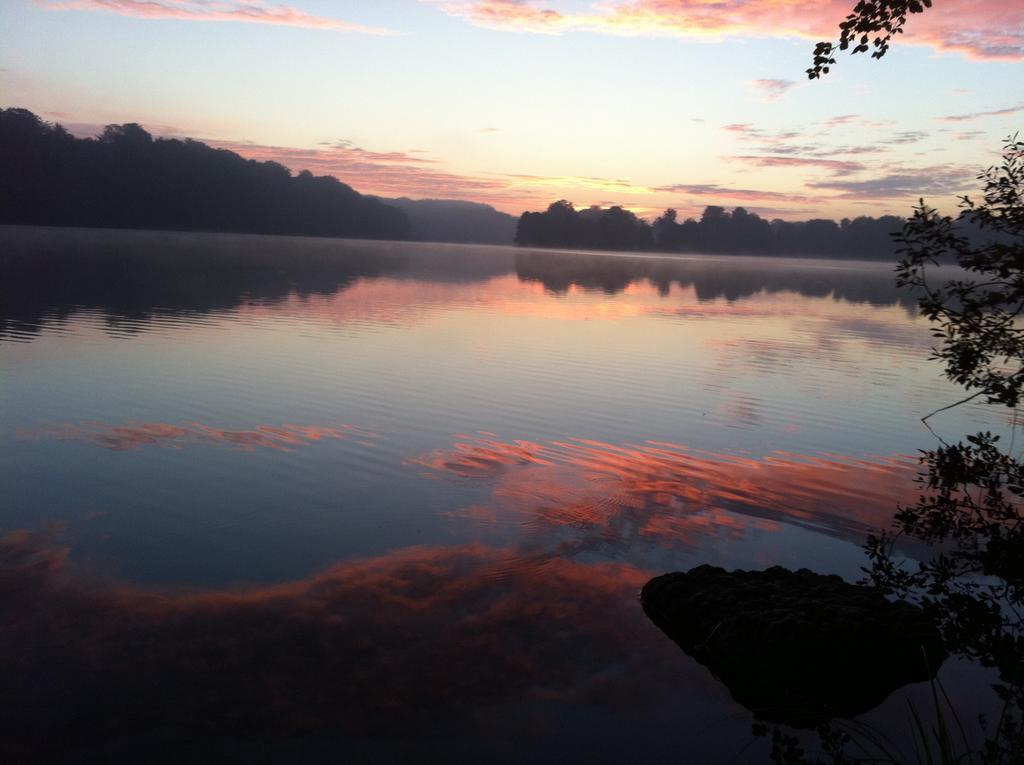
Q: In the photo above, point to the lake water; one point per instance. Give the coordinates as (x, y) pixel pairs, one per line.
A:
(314, 499)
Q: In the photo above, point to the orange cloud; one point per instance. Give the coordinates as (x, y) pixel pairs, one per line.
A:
(978, 30)
(136, 435)
(403, 302)
(647, 286)
(245, 11)
(406, 644)
(669, 492)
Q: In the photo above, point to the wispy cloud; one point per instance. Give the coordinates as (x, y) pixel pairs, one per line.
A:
(978, 115)
(137, 435)
(404, 173)
(814, 141)
(716, 192)
(743, 128)
(835, 173)
(857, 121)
(245, 11)
(842, 119)
(978, 30)
(411, 173)
(746, 131)
(939, 180)
(773, 90)
(904, 137)
(620, 185)
(510, 14)
(836, 166)
(376, 172)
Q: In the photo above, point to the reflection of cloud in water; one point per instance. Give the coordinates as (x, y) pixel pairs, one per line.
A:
(671, 493)
(825, 333)
(136, 435)
(404, 302)
(394, 645)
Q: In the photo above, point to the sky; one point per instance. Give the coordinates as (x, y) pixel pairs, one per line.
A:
(648, 104)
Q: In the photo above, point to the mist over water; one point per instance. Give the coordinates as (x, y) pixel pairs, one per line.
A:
(408, 492)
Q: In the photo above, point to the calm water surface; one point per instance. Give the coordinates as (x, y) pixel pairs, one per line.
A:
(316, 499)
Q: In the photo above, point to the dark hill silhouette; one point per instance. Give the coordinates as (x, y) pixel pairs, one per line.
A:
(718, 231)
(127, 179)
(457, 221)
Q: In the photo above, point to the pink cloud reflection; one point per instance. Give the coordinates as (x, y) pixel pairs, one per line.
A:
(137, 435)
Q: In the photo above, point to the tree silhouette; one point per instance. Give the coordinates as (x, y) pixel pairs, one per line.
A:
(717, 231)
(970, 513)
(972, 504)
(127, 179)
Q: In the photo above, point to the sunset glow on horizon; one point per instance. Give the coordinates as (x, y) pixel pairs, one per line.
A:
(647, 104)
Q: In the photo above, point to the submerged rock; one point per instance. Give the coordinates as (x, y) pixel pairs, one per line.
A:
(795, 647)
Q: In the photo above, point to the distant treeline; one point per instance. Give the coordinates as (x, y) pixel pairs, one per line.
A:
(718, 231)
(125, 178)
(452, 220)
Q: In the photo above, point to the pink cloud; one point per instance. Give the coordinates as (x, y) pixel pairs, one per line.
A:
(716, 192)
(837, 166)
(671, 493)
(743, 128)
(842, 119)
(773, 90)
(247, 11)
(905, 183)
(977, 30)
(416, 174)
(131, 436)
(402, 173)
(978, 115)
(408, 172)
(517, 14)
(371, 172)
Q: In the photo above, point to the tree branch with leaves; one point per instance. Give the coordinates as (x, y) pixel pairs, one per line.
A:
(871, 24)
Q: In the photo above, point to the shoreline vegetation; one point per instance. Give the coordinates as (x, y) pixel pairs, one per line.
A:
(125, 178)
(717, 232)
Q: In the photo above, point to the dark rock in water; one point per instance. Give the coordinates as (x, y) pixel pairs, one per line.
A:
(794, 646)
